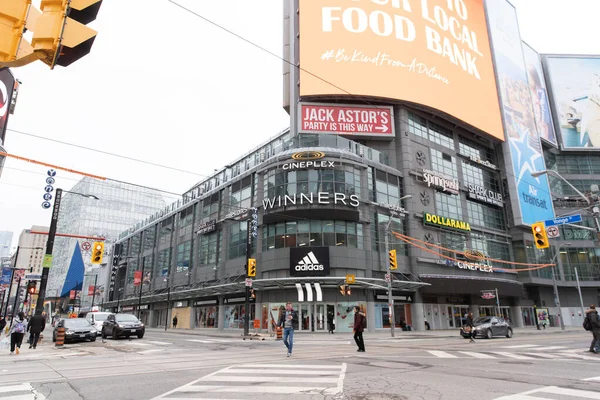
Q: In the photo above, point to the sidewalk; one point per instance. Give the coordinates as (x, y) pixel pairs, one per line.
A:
(378, 334)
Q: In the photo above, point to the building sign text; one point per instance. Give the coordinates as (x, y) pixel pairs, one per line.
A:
(480, 193)
(445, 222)
(441, 181)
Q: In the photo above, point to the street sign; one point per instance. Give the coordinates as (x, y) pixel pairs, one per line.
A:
(488, 295)
(370, 121)
(552, 232)
(248, 282)
(47, 262)
(86, 246)
(350, 279)
(33, 277)
(569, 219)
(387, 277)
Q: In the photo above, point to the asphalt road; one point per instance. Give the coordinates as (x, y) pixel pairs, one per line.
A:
(169, 365)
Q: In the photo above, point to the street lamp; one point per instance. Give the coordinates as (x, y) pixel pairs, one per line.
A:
(556, 296)
(47, 263)
(387, 251)
(559, 176)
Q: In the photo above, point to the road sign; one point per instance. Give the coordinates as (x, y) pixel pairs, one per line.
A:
(569, 219)
(387, 277)
(552, 232)
(350, 279)
(33, 277)
(346, 120)
(248, 282)
(86, 246)
(488, 295)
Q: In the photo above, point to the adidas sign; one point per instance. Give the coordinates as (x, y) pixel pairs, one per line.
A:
(309, 263)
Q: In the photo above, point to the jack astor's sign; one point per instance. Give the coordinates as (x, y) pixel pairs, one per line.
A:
(441, 181)
(430, 219)
(312, 198)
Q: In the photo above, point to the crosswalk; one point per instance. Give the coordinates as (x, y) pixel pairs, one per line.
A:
(22, 391)
(528, 355)
(553, 392)
(285, 379)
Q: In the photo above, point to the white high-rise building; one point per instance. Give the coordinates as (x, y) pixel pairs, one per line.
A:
(31, 249)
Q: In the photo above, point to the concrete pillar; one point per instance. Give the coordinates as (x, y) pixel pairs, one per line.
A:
(257, 315)
(516, 316)
(370, 316)
(151, 321)
(475, 311)
(192, 318)
(417, 312)
(221, 313)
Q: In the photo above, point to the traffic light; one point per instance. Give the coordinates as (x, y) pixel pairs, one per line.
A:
(539, 235)
(251, 267)
(252, 294)
(343, 290)
(13, 20)
(393, 259)
(31, 285)
(97, 252)
(348, 290)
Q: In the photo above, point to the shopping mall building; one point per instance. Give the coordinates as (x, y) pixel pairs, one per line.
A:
(348, 167)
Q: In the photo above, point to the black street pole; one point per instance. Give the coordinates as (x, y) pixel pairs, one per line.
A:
(15, 303)
(118, 298)
(252, 222)
(12, 276)
(168, 301)
(94, 294)
(47, 263)
(26, 295)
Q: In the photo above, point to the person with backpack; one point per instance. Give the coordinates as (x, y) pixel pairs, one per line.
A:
(591, 322)
(360, 323)
(17, 331)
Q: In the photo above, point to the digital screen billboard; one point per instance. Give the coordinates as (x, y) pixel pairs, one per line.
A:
(431, 52)
(7, 83)
(574, 83)
(530, 196)
(539, 95)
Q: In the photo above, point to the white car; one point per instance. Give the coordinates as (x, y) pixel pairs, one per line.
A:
(97, 319)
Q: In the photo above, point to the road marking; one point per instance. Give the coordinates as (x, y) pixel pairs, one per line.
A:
(441, 354)
(521, 346)
(160, 343)
(582, 394)
(316, 380)
(15, 388)
(199, 341)
(12, 390)
(324, 342)
(543, 355)
(513, 355)
(476, 355)
(581, 356)
(596, 378)
(150, 351)
(549, 348)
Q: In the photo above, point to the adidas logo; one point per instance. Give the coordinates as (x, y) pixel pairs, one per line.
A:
(309, 263)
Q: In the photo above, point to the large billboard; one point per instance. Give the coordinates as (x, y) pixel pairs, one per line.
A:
(575, 89)
(431, 52)
(539, 95)
(530, 197)
(7, 83)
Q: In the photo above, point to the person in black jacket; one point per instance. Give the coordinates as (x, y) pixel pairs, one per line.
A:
(36, 325)
(289, 322)
(592, 315)
(469, 324)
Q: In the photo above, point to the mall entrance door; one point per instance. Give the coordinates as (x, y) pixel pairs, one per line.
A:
(313, 316)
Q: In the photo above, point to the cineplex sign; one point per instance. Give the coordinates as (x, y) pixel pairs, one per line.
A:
(308, 160)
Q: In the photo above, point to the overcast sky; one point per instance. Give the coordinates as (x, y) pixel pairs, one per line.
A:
(165, 86)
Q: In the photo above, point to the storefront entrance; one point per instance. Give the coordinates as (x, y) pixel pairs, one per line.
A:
(313, 317)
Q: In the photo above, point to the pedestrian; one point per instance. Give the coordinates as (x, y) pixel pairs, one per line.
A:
(35, 327)
(2, 323)
(175, 321)
(469, 325)
(360, 323)
(17, 331)
(289, 322)
(330, 325)
(592, 316)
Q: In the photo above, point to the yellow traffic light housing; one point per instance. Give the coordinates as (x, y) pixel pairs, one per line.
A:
(252, 294)
(13, 17)
(539, 235)
(393, 259)
(97, 252)
(251, 267)
(348, 290)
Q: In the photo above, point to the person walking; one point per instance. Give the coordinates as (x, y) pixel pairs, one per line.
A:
(175, 322)
(35, 327)
(17, 331)
(469, 325)
(592, 315)
(330, 325)
(289, 322)
(2, 323)
(360, 323)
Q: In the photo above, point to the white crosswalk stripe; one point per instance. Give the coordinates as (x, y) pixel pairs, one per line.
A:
(553, 392)
(595, 379)
(242, 382)
(529, 355)
(23, 391)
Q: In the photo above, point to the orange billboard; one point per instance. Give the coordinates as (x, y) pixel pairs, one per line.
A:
(431, 52)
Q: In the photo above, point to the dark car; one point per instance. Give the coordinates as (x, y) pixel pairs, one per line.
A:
(117, 325)
(488, 327)
(75, 329)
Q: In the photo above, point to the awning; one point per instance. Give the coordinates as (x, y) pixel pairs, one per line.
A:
(454, 284)
(232, 285)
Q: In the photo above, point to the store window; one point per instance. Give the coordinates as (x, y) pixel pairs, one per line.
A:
(241, 194)
(150, 238)
(452, 241)
(163, 263)
(183, 256)
(397, 225)
(495, 247)
(136, 245)
(206, 317)
(448, 205)
(165, 231)
(486, 216)
(313, 233)
(443, 163)
(388, 188)
(234, 316)
(186, 217)
(238, 234)
(429, 130)
(132, 266)
(211, 207)
(209, 248)
(480, 176)
(468, 149)
(585, 259)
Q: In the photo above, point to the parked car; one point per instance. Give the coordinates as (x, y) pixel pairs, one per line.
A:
(75, 329)
(97, 319)
(488, 327)
(117, 325)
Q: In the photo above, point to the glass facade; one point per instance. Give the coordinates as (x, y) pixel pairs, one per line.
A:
(313, 233)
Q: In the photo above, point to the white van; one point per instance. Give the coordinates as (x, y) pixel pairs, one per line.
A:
(97, 318)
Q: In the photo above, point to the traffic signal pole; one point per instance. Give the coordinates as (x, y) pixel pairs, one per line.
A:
(47, 263)
(389, 271)
(251, 227)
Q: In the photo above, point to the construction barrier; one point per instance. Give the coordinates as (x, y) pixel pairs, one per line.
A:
(279, 333)
(60, 337)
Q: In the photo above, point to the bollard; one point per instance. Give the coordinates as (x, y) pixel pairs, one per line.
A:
(60, 337)
(279, 333)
